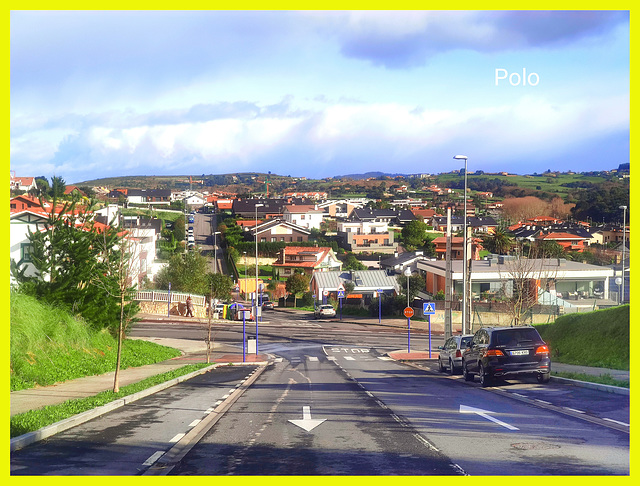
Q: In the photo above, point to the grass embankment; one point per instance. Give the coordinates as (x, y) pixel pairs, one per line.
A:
(48, 346)
(599, 339)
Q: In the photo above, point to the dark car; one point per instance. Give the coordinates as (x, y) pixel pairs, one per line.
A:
(502, 352)
(450, 356)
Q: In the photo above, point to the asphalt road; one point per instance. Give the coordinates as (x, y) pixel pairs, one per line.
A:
(332, 403)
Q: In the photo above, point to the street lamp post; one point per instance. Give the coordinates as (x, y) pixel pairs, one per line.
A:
(215, 251)
(255, 314)
(464, 248)
(624, 247)
(407, 273)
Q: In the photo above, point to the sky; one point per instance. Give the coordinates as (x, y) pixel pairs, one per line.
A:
(316, 93)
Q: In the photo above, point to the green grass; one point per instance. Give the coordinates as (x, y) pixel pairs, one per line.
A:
(605, 379)
(36, 419)
(599, 338)
(48, 346)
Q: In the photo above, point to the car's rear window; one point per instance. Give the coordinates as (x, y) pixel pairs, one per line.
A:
(511, 337)
(465, 340)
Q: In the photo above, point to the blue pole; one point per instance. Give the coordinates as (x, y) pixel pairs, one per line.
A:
(244, 339)
(340, 308)
(379, 307)
(429, 321)
(408, 334)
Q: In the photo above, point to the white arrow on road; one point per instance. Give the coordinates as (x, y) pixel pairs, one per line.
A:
(307, 423)
(485, 414)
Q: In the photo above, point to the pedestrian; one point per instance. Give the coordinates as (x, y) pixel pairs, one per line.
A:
(189, 307)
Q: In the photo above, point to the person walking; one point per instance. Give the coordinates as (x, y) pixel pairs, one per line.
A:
(189, 307)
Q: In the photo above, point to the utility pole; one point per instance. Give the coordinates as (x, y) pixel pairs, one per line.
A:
(447, 282)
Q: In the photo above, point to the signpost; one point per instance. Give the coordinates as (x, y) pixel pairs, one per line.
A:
(429, 309)
(379, 306)
(408, 313)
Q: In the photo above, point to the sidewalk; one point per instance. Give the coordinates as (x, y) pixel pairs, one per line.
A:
(194, 352)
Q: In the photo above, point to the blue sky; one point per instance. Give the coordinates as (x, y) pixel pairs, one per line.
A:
(316, 94)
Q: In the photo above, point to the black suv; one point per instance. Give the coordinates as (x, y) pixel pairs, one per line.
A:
(497, 352)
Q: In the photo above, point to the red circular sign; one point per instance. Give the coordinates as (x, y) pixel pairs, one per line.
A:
(408, 311)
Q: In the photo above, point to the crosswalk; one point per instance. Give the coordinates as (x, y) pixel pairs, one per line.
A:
(315, 359)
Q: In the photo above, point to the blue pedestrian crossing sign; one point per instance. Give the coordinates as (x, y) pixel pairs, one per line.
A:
(340, 294)
(428, 308)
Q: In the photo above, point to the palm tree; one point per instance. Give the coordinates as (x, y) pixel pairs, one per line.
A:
(500, 242)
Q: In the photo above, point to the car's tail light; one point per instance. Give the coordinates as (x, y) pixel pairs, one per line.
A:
(493, 352)
(544, 349)
(458, 353)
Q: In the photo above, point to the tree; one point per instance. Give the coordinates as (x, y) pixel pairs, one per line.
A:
(58, 186)
(499, 242)
(414, 234)
(352, 263)
(521, 277)
(75, 265)
(416, 284)
(296, 284)
(187, 273)
(220, 286)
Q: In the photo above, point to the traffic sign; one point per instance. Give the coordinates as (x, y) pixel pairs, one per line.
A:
(341, 287)
(428, 308)
(340, 294)
(408, 312)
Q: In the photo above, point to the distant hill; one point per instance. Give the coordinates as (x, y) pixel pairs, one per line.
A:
(368, 175)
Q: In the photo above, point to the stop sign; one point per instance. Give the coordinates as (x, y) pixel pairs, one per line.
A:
(408, 312)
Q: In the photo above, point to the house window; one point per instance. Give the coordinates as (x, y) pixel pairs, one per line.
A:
(299, 238)
(274, 238)
(25, 252)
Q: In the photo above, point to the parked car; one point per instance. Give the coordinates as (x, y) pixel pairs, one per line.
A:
(501, 352)
(325, 310)
(267, 304)
(450, 357)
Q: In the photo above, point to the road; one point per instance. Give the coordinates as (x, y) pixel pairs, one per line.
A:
(333, 403)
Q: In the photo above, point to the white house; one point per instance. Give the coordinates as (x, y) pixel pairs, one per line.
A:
(21, 222)
(306, 216)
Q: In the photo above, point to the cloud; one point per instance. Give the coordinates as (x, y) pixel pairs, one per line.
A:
(410, 38)
(320, 142)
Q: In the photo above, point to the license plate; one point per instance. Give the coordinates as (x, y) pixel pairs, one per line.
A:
(519, 352)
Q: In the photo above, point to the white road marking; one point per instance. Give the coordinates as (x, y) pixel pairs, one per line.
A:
(616, 422)
(485, 414)
(385, 358)
(195, 422)
(177, 437)
(542, 401)
(573, 410)
(349, 358)
(307, 423)
(332, 358)
(313, 358)
(153, 458)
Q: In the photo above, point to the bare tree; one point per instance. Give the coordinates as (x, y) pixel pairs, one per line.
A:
(523, 276)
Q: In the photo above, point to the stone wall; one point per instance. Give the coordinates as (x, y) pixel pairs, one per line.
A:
(177, 309)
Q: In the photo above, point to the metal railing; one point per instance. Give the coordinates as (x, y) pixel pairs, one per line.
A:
(163, 296)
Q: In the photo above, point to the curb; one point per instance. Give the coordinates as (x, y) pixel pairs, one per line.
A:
(29, 438)
(618, 390)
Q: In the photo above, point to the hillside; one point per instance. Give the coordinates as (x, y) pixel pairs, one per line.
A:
(48, 345)
(599, 338)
